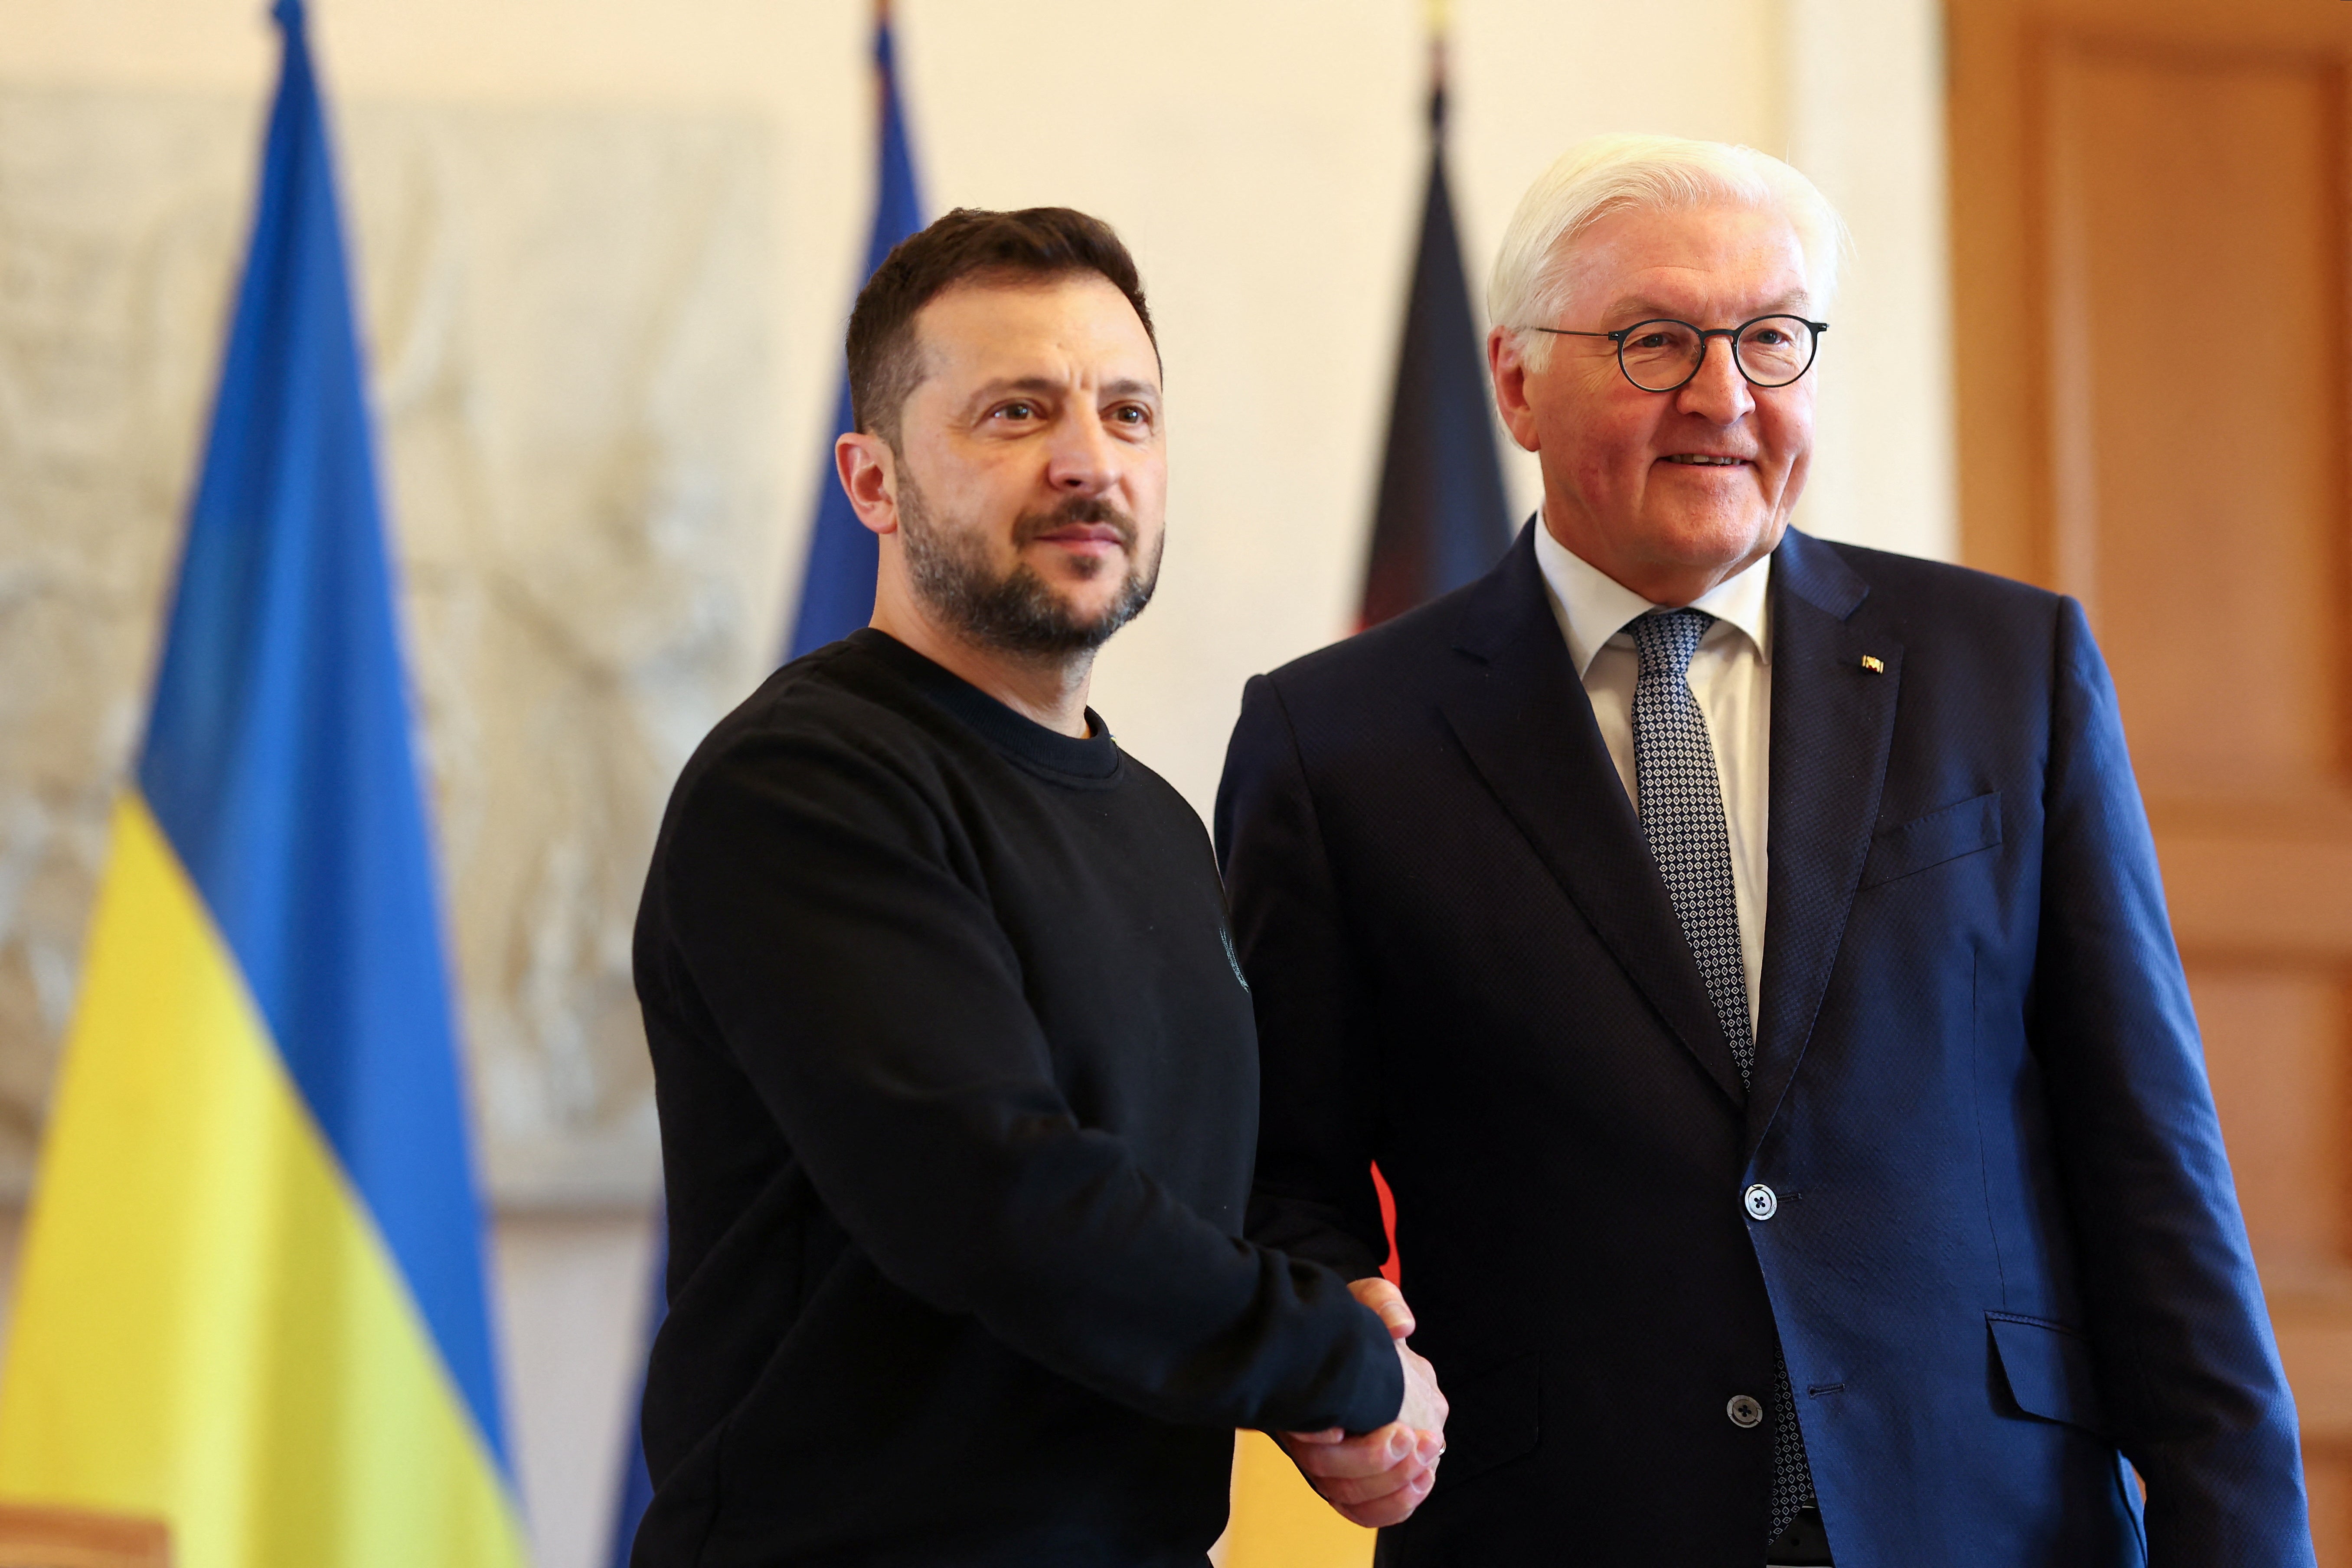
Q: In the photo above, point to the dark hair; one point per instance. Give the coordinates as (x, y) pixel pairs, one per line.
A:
(1036, 244)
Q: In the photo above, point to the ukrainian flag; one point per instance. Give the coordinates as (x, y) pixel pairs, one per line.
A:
(252, 1294)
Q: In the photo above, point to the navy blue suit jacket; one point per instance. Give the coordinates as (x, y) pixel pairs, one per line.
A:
(2006, 1249)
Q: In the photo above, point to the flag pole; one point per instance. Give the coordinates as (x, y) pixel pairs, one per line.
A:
(1439, 15)
(885, 67)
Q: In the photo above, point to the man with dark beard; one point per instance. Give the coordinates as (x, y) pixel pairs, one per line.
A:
(957, 1073)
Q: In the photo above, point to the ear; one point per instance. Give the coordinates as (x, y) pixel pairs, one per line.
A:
(869, 475)
(1510, 371)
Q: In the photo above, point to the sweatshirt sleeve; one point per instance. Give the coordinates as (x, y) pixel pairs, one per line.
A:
(860, 980)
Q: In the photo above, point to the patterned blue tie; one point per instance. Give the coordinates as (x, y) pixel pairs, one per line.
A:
(1682, 816)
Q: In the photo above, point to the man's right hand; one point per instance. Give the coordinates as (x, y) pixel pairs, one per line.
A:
(1380, 1477)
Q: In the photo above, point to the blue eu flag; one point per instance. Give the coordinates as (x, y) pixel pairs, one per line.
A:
(837, 589)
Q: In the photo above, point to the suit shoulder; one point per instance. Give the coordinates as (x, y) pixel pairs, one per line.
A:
(1964, 631)
(1917, 584)
(1395, 649)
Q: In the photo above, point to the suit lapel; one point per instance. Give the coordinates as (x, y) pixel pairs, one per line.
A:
(1832, 726)
(1523, 717)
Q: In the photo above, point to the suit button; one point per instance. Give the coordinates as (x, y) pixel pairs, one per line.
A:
(1743, 1411)
(1761, 1203)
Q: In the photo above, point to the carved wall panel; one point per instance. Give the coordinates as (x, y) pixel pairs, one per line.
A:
(567, 315)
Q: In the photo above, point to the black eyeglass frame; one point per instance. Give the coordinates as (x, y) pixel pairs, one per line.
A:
(1730, 333)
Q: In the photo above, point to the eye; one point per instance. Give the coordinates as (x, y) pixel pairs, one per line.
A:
(1132, 414)
(1019, 409)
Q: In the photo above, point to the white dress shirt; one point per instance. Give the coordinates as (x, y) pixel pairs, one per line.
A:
(1731, 677)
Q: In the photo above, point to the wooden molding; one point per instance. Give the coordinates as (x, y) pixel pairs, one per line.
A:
(34, 1536)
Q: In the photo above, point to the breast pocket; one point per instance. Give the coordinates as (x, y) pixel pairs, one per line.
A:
(1929, 841)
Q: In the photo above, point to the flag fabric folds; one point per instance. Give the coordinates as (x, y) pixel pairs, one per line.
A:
(837, 584)
(252, 1299)
(1442, 520)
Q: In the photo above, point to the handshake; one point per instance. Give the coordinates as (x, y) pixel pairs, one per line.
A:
(1378, 1477)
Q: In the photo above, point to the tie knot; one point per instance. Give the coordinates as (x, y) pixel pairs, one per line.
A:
(1665, 639)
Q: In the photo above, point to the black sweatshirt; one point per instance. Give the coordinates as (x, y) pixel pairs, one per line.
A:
(957, 1084)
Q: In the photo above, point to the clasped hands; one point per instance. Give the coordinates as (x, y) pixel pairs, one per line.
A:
(1380, 1477)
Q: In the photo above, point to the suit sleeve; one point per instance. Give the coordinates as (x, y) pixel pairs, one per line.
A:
(867, 992)
(1317, 1059)
(2186, 1356)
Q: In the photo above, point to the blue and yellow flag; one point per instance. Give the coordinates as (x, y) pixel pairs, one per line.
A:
(252, 1294)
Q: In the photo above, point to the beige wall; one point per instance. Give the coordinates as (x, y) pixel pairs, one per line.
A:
(1264, 159)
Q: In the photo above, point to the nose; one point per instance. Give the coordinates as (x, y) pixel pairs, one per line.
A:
(1082, 460)
(1719, 392)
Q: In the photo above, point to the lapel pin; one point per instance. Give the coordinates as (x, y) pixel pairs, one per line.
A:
(1874, 664)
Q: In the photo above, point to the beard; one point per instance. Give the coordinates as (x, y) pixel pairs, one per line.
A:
(1018, 611)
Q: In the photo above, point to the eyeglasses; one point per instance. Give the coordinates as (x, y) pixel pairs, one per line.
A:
(1663, 356)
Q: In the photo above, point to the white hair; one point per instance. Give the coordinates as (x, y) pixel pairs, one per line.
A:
(1626, 170)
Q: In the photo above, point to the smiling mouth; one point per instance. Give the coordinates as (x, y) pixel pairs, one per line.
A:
(1701, 459)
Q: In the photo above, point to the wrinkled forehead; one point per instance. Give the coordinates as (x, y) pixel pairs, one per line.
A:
(1679, 261)
(1074, 326)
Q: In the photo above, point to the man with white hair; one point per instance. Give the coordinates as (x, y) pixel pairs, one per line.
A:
(1745, 958)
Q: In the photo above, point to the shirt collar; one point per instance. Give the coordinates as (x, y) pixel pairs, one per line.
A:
(1592, 606)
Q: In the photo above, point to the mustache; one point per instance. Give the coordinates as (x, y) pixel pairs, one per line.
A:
(1094, 510)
